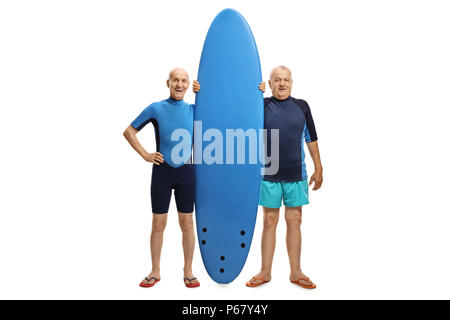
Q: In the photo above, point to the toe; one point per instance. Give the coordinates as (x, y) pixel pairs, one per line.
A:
(150, 281)
(194, 281)
(305, 282)
(256, 281)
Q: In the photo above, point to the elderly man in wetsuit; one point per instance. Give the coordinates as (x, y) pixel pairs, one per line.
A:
(292, 117)
(169, 115)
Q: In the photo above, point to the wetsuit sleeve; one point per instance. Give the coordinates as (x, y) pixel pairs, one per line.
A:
(144, 118)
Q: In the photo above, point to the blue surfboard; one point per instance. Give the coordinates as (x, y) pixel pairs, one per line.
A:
(227, 194)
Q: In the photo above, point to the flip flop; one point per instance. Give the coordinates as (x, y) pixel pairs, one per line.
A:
(149, 285)
(311, 286)
(252, 285)
(191, 285)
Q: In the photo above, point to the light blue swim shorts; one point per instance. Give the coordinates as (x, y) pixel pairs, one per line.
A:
(294, 194)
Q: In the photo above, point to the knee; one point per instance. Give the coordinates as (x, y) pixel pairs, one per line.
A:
(158, 225)
(270, 221)
(186, 223)
(294, 219)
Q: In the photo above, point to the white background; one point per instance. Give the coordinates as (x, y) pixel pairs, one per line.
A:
(75, 206)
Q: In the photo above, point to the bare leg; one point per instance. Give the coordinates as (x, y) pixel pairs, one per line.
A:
(156, 241)
(293, 218)
(268, 241)
(187, 228)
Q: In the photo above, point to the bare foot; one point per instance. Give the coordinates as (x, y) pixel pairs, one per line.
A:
(150, 276)
(189, 275)
(260, 278)
(300, 278)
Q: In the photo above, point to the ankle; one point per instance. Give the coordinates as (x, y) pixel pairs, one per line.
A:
(187, 270)
(296, 271)
(266, 273)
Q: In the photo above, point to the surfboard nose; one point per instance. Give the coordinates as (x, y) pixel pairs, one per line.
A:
(230, 12)
(232, 19)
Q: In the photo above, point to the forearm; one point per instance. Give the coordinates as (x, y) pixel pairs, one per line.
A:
(313, 148)
(130, 135)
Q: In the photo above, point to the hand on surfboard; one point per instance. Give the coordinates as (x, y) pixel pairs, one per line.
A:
(262, 87)
(196, 86)
(156, 158)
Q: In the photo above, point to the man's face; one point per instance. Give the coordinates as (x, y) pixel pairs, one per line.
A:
(178, 83)
(281, 83)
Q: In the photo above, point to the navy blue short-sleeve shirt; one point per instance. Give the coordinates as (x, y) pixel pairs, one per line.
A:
(295, 123)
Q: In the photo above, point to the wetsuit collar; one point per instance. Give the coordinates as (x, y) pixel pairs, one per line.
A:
(173, 101)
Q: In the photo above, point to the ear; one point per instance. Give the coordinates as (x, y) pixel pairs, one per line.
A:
(168, 83)
(270, 84)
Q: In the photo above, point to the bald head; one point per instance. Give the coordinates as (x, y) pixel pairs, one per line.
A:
(178, 83)
(281, 82)
(178, 71)
(278, 69)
